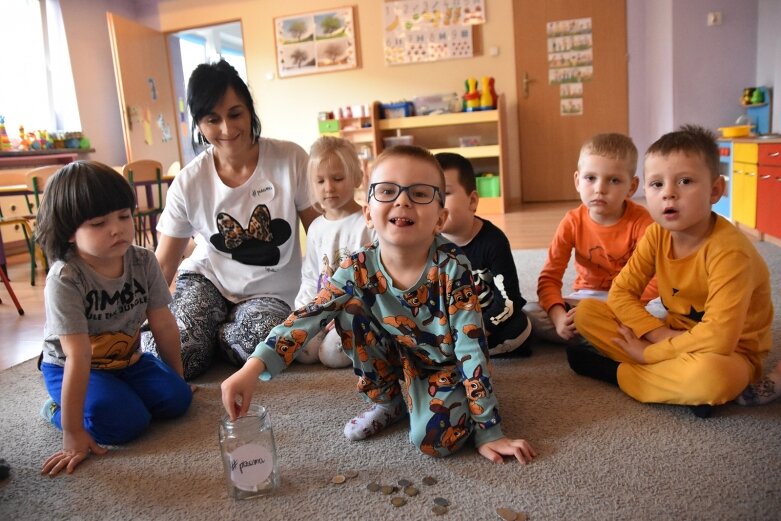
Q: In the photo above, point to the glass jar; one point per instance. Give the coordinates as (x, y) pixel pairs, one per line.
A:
(249, 455)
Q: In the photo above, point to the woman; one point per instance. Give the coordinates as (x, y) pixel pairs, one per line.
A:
(241, 199)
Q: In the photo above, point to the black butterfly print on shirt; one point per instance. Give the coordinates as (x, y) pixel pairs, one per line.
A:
(257, 244)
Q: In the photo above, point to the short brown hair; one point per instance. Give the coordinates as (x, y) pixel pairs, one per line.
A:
(611, 145)
(78, 192)
(457, 162)
(690, 139)
(413, 152)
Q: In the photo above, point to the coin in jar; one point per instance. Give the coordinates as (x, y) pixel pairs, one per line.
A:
(429, 480)
(338, 479)
(441, 501)
(350, 474)
(373, 487)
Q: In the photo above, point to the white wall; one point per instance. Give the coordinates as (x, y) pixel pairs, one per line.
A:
(86, 29)
(769, 53)
(682, 71)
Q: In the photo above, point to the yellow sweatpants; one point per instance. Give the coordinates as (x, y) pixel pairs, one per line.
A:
(690, 379)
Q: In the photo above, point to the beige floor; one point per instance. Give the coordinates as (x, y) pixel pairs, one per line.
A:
(20, 336)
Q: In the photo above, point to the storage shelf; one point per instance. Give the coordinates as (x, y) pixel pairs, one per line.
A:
(436, 120)
(471, 152)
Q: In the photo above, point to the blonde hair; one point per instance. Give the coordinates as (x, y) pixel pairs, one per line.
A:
(612, 146)
(329, 148)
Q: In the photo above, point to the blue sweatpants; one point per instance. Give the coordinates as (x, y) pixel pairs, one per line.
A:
(120, 403)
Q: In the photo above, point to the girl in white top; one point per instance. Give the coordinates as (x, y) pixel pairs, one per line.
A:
(334, 174)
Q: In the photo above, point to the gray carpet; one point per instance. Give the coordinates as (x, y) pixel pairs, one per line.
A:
(601, 454)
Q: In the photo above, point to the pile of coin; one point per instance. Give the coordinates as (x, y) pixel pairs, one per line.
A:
(344, 476)
(410, 490)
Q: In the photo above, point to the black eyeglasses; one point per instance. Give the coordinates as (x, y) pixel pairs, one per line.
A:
(418, 193)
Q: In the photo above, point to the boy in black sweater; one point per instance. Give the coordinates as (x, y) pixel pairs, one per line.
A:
(488, 250)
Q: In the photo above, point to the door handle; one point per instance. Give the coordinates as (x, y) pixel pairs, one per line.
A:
(525, 82)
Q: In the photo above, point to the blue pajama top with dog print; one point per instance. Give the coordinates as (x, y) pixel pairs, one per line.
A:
(430, 337)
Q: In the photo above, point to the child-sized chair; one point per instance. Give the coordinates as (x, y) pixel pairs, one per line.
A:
(148, 173)
(7, 284)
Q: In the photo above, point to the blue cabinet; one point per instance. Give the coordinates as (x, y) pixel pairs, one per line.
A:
(724, 206)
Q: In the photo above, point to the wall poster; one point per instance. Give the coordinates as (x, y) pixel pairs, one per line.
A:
(570, 61)
(322, 41)
(430, 30)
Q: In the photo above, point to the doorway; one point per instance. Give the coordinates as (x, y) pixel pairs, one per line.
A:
(189, 48)
(550, 133)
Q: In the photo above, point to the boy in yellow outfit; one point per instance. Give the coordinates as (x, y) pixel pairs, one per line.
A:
(713, 283)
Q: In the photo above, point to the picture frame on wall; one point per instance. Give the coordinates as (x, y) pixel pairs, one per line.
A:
(320, 41)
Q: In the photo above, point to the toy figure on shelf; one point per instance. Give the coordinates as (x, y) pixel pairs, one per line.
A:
(488, 95)
(472, 96)
(24, 140)
(5, 142)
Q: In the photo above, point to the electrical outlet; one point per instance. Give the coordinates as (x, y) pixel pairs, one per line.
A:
(714, 18)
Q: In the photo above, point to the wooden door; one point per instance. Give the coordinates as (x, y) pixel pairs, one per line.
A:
(550, 141)
(146, 102)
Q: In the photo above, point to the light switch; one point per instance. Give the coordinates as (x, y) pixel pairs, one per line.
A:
(493, 51)
(714, 18)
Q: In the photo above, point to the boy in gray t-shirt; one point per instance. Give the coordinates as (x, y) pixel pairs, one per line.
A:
(99, 291)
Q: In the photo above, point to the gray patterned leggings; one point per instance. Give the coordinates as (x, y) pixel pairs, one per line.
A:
(209, 323)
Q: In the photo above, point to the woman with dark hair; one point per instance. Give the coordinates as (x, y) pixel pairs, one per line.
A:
(241, 199)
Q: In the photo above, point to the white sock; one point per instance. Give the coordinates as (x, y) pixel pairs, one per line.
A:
(370, 422)
(762, 392)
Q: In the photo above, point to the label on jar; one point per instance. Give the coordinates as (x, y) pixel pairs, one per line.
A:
(250, 465)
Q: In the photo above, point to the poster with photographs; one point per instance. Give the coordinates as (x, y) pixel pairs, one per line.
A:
(571, 95)
(430, 30)
(322, 41)
(570, 61)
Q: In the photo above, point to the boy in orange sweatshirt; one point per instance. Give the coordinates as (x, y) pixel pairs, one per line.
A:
(603, 231)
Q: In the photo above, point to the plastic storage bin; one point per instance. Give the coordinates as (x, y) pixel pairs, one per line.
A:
(402, 109)
(488, 185)
(393, 141)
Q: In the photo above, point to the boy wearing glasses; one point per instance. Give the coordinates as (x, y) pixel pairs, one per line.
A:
(407, 313)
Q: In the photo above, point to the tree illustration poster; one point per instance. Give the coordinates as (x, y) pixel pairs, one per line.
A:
(322, 41)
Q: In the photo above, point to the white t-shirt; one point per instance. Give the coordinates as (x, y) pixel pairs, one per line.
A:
(247, 240)
(327, 244)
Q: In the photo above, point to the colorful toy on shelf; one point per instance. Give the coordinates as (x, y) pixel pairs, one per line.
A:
(24, 139)
(488, 96)
(472, 96)
(5, 142)
(745, 99)
(484, 99)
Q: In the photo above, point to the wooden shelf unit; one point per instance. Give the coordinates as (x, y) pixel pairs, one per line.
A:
(441, 133)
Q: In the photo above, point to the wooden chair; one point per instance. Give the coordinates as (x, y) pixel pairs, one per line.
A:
(23, 221)
(7, 284)
(36, 182)
(149, 174)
